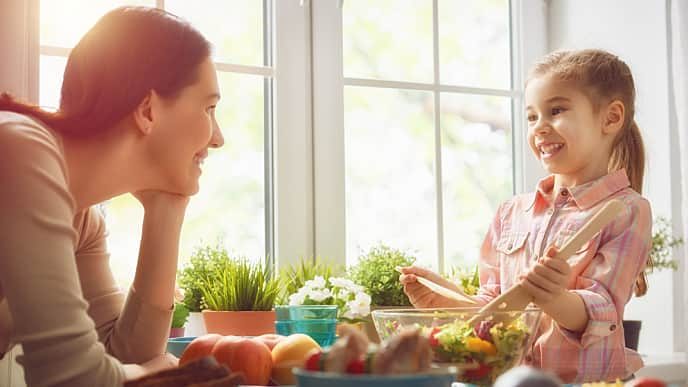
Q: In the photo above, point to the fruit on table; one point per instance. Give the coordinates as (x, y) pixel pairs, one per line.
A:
(289, 353)
(248, 356)
(270, 339)
(200, 347)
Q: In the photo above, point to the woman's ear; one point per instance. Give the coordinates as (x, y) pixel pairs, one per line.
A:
(143, 114)
(614, 117)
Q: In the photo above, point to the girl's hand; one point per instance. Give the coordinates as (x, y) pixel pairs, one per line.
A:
(419, 295)
(547, 279)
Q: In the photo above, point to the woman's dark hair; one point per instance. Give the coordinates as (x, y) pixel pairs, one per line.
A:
(126, 54)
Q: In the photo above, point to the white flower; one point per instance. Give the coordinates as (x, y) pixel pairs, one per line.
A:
(319, 295)
(341, 282)
(297, 298)
(317, 282)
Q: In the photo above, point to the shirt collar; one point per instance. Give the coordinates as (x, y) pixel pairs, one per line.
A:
(586, 195)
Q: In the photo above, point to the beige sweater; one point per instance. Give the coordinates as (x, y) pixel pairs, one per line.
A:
(58, 298)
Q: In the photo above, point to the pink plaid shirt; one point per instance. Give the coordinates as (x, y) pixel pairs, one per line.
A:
(603, 271)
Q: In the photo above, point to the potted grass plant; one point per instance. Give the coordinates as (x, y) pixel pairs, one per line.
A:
(238, 296)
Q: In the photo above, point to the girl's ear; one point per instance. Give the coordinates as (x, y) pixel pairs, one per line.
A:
(143, 114)
(614, 117)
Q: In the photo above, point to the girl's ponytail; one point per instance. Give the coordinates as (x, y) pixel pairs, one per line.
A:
(629, 153)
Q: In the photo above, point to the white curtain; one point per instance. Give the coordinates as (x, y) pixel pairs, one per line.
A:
(678, 84)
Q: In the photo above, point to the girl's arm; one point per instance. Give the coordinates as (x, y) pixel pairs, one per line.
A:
(606, 284)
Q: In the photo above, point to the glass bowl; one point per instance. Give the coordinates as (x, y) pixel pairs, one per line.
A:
(483, 351)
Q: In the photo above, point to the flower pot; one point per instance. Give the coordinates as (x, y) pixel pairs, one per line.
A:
(239, 323)
(176, 332)
(632, 333)
(195, 325)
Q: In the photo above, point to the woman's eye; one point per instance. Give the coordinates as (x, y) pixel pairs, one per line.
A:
(211, 109)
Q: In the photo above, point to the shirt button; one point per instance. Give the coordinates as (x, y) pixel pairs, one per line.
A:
(564, 192)
(529, 358)
(612, 327)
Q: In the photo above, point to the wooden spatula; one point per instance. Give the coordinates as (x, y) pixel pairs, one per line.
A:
(516, 298)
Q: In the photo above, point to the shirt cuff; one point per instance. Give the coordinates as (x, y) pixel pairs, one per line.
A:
(602, 319)
(143, 330)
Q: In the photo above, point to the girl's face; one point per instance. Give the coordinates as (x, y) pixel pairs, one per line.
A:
(565, 132)
(184, 129)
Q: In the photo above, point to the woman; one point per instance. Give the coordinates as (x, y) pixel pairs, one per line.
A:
(136, 115)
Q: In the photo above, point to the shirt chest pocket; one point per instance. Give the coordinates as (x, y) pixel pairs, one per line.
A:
(513, 243)
(589, 247)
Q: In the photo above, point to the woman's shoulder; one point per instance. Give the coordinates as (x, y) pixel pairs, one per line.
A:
(19, 130)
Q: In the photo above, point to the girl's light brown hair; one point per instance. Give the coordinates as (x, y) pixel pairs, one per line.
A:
(603, 78)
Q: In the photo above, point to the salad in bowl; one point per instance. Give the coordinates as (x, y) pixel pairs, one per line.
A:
(484, 350)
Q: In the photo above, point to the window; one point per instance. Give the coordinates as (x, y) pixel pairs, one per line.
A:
(231, 206)
(427, 100)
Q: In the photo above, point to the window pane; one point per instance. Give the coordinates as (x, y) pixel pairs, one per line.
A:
(390, 184)
(474, 43)
(388, 39)
(476, 170)
(51, 70)
(64, 22)
(235, 27)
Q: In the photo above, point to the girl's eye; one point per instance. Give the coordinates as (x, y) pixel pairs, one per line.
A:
(557, 110)
(532, 118)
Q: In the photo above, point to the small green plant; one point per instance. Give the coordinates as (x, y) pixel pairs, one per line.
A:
(199, 267)
(238, 285)
(376, 272)
(663, 245)
(467, 279)
(294, 277)
(179, 315)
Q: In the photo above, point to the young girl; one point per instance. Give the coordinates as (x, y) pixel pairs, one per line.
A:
(580, 107)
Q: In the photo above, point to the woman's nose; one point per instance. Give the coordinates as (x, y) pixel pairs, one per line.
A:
(217, 140)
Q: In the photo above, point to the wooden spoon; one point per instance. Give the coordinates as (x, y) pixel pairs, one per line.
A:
(516, 298)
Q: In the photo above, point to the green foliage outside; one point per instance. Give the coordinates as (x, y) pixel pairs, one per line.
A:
(376, 272)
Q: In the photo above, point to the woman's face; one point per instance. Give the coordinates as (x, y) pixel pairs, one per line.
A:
(184, 129)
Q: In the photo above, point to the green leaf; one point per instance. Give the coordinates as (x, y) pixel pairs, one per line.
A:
(376, 272)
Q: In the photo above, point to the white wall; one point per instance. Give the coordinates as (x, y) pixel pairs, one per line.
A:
(636, 31)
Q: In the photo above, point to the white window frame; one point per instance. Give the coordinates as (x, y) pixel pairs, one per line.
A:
(528, 42)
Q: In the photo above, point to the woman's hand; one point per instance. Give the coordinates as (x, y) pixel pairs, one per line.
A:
(547, 279)
(422, 297)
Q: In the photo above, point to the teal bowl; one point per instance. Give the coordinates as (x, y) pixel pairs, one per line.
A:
(319, 379)
(177, 345)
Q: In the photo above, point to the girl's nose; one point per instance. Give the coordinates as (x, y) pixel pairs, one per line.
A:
(542, 127)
